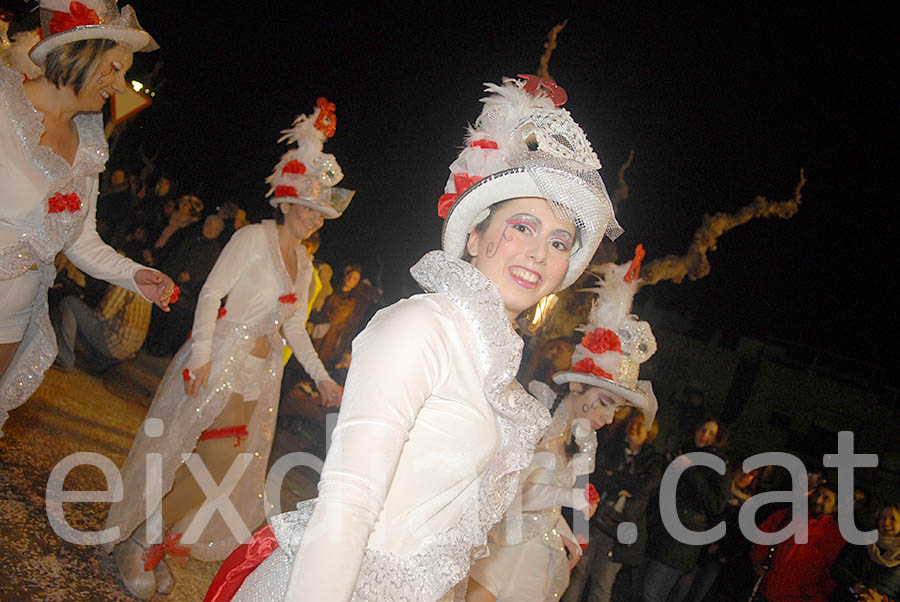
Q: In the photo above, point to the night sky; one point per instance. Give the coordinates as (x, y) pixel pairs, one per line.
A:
(719, 104)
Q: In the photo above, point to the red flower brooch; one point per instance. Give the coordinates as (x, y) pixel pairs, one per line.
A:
(601, 340)
(289, 298)
(590, 494)
(64, 202)
(587, 366)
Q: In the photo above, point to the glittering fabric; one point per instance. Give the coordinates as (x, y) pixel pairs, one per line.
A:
(513, 540)
(185, 418)
(57, 230)
(439, 565)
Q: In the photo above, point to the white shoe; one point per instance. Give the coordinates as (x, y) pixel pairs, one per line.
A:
(129, 556)
(165, 581)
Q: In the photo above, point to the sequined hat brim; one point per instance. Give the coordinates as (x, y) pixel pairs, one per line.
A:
(139, 40)
(513, 183)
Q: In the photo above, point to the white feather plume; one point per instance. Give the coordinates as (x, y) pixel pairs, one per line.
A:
(612, 305)
(506, 107)
(305, 135)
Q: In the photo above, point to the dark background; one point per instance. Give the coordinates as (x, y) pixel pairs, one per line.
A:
(719, 102)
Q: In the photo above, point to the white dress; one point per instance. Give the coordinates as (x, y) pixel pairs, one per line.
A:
(528, 561)
(432, 433)
(31, 235)
(262, 301)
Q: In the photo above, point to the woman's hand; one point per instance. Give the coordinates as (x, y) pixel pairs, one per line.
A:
(156, 286)
(589, 510)
(573, 550)
(194, 379)
(330, 392)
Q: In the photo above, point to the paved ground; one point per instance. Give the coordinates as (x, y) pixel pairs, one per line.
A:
(78, 412)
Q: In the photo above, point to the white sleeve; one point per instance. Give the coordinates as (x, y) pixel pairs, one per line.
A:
(538, 494)
(231, 263)
(398, 360)
(90, 254)
(295, 332)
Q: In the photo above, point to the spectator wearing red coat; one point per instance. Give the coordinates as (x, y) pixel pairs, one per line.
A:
(801, 572)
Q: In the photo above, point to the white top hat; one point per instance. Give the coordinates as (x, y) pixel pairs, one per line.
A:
(615, 343)
(524, 145)
(63, 22)
(305, 175)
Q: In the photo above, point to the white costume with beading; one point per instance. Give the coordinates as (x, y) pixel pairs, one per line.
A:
(261, 301)
(432, 434)
(528, 561)
(31, 236)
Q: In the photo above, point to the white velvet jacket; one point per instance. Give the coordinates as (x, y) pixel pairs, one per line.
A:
(432, 432)
(32, 236)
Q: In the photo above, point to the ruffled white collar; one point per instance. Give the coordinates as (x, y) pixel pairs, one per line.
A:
(93, 149)
(476, 295)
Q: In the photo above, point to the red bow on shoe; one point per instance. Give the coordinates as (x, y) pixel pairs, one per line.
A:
(169, 545)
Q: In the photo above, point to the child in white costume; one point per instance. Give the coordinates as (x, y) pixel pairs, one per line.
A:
(220, 393)
(434, 428)
(533, 549)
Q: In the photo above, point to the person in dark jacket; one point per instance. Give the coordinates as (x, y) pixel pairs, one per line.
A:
(701, 496)
(871, 571)
(627, 474)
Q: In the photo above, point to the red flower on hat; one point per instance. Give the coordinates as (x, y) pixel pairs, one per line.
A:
(289, 298)
(78, 14)
(601, 340)
(587, 366)
(61, 202)
(635, 268)
(556, 92)
(283, 191)
(293, 166)
(484, 143)
(462, 182)
(326, 122)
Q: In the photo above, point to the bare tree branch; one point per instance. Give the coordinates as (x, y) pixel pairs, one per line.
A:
(694, 264)
(549, 47)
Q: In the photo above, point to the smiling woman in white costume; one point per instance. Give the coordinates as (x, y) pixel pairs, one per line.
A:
(434, 428)
(52, 150)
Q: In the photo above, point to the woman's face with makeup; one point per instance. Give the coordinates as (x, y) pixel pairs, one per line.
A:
(525, 250)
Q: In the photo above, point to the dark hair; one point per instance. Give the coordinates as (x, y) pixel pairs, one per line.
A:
(71, 64)
(278, 215)
(483, 225)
